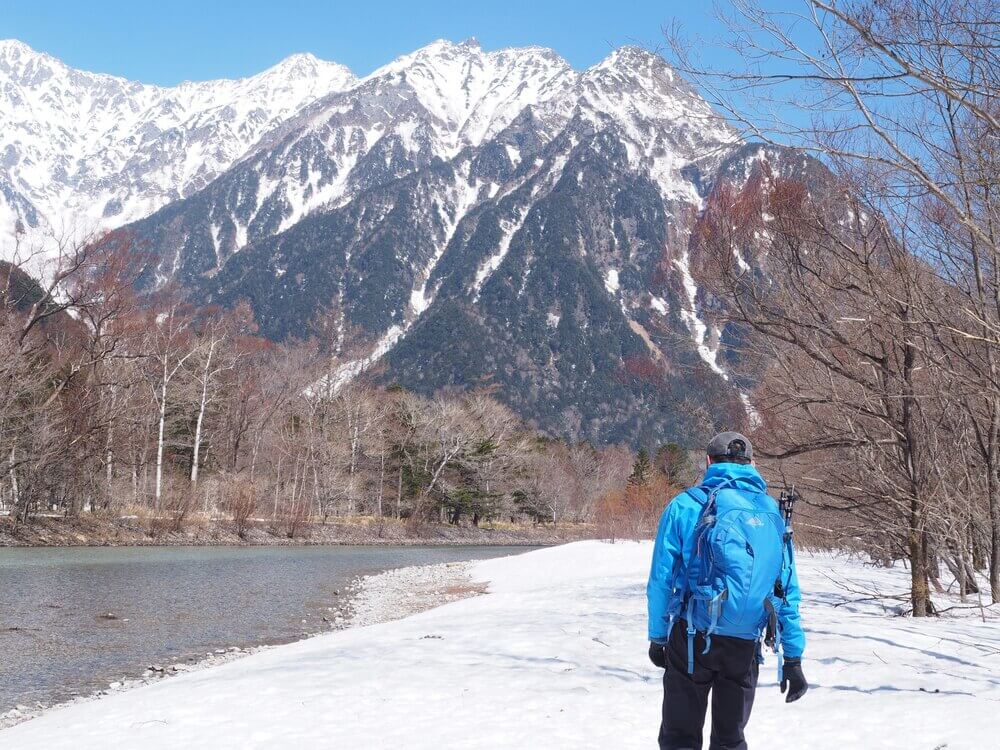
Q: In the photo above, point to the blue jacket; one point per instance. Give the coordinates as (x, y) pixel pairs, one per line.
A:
(674, 549)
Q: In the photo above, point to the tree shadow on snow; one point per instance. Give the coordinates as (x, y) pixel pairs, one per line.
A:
(895, 644)
(890, 689)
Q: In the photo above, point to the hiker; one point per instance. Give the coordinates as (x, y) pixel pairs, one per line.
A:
(722, 583)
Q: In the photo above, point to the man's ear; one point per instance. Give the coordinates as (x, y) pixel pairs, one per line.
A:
(708, 460)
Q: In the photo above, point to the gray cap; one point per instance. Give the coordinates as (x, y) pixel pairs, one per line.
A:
(728, 444)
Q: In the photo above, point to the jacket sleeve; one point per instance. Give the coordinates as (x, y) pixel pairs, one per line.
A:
(793, 638)
(668, 559)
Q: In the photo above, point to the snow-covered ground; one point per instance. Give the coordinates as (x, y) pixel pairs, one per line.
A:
(554, 656)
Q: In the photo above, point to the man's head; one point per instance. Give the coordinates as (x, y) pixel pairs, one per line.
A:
(730, 447)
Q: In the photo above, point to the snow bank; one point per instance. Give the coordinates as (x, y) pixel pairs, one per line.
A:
(554, 656)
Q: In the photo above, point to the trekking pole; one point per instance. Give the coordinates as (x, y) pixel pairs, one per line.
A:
(786, 504)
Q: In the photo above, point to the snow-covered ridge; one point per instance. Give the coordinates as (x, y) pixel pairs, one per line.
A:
(89, 150)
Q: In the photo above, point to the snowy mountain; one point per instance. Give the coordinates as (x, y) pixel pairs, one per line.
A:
(459, 217)
(80, 151)
(447, 103)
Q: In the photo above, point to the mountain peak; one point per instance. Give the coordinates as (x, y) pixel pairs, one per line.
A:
(634, 58)
(95, 150)
(14, 45)
(300, 58)
(307, 65)
(15, 55)
(17, 48)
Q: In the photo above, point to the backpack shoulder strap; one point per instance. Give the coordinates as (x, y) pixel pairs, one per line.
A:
(708, 505)
(693, 492)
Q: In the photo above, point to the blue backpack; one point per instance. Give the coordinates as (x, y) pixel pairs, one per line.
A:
(733, 584)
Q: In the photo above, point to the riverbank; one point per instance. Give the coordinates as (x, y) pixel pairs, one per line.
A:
(368, 600)
(554, 655)
(89, 530)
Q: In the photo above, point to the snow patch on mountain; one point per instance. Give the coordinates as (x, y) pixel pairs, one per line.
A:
(508, 228)
(464, 194)
(464, 198)
(611, 282)
(346, 372)
(699, 330)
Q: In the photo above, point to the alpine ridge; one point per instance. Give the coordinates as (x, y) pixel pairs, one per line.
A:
(84, 151)
(457, 218)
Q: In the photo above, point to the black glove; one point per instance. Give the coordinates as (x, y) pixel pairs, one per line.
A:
(658, 654)
(793, 680)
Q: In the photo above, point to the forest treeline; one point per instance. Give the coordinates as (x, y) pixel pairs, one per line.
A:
(146, 406)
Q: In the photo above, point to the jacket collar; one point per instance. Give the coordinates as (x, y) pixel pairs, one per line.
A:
(740, 474)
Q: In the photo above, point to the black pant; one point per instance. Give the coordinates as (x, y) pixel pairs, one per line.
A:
(728, 671)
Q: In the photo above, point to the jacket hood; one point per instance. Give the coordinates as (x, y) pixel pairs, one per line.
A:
(740, 474)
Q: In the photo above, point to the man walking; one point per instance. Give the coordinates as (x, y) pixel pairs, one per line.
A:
(722, 581)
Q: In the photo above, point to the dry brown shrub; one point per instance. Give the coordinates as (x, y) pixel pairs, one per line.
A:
(634, 511)
(241, 501)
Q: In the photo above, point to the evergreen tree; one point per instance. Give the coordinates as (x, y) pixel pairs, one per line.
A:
(641, 469)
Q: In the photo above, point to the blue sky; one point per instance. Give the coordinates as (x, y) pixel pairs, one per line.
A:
(168, 42)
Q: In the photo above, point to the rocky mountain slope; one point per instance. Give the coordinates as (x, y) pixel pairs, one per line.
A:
(462, 217)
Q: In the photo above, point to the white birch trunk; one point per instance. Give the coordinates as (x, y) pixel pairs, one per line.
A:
(206, 376)
(159, 440)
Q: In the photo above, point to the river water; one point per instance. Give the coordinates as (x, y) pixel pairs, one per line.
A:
(74, 619)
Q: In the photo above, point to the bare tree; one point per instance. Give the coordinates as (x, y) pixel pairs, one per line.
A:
(899, 100)
(170, 331)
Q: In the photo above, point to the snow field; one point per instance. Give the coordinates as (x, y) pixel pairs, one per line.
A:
(554, 656)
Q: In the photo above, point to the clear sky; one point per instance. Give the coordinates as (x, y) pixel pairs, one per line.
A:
(174, 40)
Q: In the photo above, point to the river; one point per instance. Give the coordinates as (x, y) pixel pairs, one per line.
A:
(74, 619)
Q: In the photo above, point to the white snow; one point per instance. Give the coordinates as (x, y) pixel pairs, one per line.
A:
(464, 195)
(418, 302)
(475, 94)
(664, 124)
(554, 656)
(80, 141)
(694, 322)
(756, 420)
(508, 228)
(659, 304)
(513, 153)
(740, 260)
(611, 281)
(346, 372)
